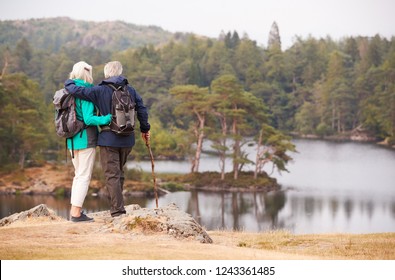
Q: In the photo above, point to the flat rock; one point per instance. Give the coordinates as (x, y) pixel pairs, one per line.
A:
(165, 220)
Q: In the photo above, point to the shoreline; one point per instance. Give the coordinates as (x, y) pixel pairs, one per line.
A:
(56, 179)
(345, 138)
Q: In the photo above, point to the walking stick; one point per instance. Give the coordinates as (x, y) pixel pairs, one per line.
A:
(153, 172)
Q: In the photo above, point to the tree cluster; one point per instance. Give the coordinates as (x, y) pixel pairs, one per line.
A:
(226, 90)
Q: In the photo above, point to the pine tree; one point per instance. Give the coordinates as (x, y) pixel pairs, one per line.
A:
(194, 102)
(274, 41)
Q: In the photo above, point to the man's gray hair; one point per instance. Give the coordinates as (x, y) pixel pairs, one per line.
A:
(112, 69)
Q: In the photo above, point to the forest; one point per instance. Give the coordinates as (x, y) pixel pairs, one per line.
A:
(228, 90)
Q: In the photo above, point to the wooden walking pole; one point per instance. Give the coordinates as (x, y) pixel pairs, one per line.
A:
(153, 170)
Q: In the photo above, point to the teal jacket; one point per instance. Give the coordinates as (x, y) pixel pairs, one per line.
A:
(86, 112)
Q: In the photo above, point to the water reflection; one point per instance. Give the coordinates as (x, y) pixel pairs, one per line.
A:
(287, 210)
(315, 214)
(237, 211)
(295, 212)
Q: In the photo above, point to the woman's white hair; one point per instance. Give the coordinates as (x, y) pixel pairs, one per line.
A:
(83, 71)
(112, 69)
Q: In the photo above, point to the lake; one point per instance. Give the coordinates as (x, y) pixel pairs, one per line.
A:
(332, 187)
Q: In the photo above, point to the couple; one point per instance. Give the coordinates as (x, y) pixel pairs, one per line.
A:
(114, 149)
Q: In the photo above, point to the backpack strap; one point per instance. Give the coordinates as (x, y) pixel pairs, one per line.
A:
(107, 127)
(72, 148)
(113, 87)
(101, 127)
(65, 146)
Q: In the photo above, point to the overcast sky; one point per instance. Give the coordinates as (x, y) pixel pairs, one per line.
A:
(318, 18)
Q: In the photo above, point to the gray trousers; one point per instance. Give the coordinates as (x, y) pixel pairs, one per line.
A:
(112, 161)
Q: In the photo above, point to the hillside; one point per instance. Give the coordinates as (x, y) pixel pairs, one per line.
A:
(54, 33)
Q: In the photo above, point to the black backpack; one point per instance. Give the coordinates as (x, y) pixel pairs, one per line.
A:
(122, 111)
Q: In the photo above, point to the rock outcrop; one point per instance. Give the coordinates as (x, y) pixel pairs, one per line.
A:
(166, 220)
(40, 211)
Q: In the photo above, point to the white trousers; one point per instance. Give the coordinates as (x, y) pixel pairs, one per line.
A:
(83, 162)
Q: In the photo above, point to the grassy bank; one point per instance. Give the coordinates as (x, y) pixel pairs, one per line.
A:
(325, 246)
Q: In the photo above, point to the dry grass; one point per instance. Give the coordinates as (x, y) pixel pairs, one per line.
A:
(380, 246)
(144, 225)
(63, 240)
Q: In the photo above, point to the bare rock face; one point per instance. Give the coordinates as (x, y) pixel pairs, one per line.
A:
(39, 211)
(166, 220)
(169, 220)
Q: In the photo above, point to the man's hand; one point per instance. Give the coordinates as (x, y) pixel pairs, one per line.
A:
(146, 136)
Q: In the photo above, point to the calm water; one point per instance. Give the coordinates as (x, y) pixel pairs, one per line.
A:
(331, 187)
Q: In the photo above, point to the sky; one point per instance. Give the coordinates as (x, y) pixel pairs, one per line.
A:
(295, 18)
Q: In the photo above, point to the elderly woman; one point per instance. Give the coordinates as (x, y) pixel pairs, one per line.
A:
(83, 144)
